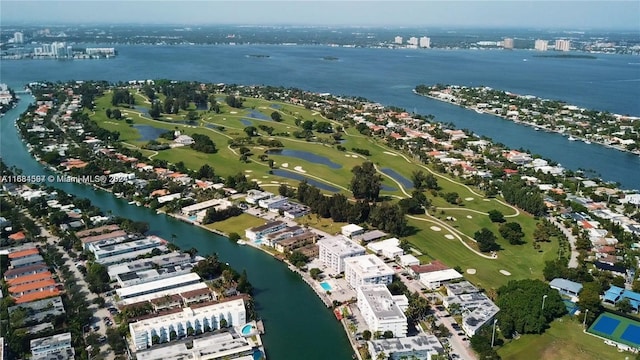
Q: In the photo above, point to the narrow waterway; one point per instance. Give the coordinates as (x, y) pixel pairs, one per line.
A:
(297, 324)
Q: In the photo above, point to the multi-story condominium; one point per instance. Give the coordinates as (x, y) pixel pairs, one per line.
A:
(398, 40)
(367, 269)
(18, 37)
(204, 317)
(563, 45)
(507, 43)
(335, 249)
(423, 347)
(380, 311)
(258, 232)
(541, 45)
(425, 42)
(158, 285)
(59, 344)
(295, 242)
(413, 41)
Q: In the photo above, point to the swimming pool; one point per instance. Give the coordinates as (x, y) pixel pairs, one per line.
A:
(247, 330)
(325, 285)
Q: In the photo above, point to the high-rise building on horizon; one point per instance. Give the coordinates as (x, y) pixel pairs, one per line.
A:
(541, 45)
(563, 45)
(398, 40)
(413, 41)
(507, 43)
(18, 37)
(425, 42)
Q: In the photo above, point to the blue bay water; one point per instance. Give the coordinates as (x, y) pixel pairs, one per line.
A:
(610, 83)
(386, 76)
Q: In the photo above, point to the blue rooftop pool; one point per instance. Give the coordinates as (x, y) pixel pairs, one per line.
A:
(247, 330)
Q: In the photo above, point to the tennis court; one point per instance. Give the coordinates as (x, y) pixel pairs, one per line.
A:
(617, 328)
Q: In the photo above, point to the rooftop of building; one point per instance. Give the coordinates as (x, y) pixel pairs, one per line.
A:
(368, 266)
(341, 245)
(379, 299)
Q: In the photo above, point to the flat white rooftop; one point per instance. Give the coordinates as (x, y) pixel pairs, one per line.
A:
(368, 266)
(159, 294)
(340, 245)
(146, 288)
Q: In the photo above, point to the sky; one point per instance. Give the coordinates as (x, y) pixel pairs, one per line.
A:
(426, 13)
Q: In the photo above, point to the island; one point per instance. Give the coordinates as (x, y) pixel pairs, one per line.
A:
(621, 132)
(431, 221)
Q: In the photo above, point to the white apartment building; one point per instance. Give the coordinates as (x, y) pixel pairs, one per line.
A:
(18, 37)
(204, 318)
(334, 250)
(56, 344)
(421, 347)
(425, 42)
(367, 269)
(380, 311)
(507, 43)
(398, 40)
(413, 41)
(563, 45)
(541, 45)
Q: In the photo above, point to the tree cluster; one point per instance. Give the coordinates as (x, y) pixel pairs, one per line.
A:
(203, 144)
(512, 232)
(517, 192)
(366, 182)
(122, 96)
(486, 240)
(520, 303)
(213, 215)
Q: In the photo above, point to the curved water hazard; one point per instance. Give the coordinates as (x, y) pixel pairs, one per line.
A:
(305, 155)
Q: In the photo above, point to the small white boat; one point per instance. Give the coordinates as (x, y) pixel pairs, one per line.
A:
(241, 242)
(479, 111)
(586, 141)
(571, 138)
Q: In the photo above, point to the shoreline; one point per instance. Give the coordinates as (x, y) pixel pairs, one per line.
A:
(531, 124)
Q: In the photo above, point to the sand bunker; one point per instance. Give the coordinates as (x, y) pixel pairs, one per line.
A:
(468, 199)
(469, 217)
(390, 153)
(449, 236)
(486, 200)
(471, 271)
(248, 171)
(299, 169)
(435, 228)
(233, 112)
(505, 273)
(285, 165)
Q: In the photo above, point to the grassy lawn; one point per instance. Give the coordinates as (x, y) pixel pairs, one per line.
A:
(522, 261)
(236, 224)
(563, 340)
(320, 223)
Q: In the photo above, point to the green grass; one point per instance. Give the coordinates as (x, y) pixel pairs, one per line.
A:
(521, 261)
(327, 225)
(563, 340)
(236, 224)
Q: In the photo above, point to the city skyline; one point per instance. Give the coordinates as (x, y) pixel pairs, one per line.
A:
(577, 15)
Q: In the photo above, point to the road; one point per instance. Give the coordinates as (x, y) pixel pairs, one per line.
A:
(573, 261)
(98, 313)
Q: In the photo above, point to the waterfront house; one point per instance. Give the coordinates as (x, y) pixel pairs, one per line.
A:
(257, 233)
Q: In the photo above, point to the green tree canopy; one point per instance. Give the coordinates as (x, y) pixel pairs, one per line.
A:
(520, 303)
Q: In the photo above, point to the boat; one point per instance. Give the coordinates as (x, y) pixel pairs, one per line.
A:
(241, 242)
(478, 111)
(586, 141)
(571, 138)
